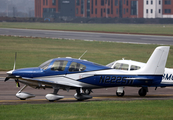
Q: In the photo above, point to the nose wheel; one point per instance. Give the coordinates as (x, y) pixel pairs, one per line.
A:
(23, 95)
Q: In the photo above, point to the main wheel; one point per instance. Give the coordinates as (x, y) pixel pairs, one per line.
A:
(87, 91)
(142, 92)
(120, 94)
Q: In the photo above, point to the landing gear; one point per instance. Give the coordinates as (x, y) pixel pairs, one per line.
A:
(22, 95)
(81, 96)
(143, 91)
(120, 92)
(54, 96)
(87, 91)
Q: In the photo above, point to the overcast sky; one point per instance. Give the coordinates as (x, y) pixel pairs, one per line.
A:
(20, 5)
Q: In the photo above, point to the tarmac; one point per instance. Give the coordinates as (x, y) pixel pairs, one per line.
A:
(8, 91)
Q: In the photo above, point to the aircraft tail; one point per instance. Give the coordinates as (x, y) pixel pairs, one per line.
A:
(157, 61)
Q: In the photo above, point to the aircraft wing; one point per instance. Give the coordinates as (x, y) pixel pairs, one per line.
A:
(61, 83)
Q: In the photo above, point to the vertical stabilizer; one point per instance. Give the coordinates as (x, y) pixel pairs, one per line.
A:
(157, 61)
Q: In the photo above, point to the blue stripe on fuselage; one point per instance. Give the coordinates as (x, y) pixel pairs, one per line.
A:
(121, 80)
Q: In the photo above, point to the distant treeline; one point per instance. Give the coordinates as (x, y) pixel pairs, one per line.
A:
(92, 20)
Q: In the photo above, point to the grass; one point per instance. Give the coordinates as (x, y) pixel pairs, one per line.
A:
(101, 110)
(34, 51)
(158, 29)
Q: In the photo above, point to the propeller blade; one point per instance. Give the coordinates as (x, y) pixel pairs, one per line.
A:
(11, 71)
(7, 78)
(15, 60)
(12, 77)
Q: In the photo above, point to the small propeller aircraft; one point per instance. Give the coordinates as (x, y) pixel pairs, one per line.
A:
(82, 76)
(130, 65)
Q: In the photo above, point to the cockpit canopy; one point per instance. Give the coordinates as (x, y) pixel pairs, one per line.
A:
(127, 65)
(70, 65)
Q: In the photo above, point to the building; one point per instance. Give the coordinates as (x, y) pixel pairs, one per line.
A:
(46, 8)
(158, 8)
(54, 8)
(109, 8)
(167, 8)
(104, 8)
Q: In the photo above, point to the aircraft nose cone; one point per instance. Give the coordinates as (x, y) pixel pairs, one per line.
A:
(10, 72)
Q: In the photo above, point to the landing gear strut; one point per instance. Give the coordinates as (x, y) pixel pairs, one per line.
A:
(87, 91)
(120, 92)
(143, 91)
(81, 96)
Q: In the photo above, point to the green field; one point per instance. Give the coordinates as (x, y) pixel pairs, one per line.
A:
(34, 51)
(159, 29)
(98, 110)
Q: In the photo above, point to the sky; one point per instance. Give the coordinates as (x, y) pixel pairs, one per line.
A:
(20, 5)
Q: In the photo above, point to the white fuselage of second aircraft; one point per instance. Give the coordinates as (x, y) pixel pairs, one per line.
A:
(130, 65)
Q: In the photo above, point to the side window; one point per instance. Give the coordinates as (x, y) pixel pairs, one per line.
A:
(59, 65)
(124, 66)
(76, 67)
(134, 67)
(121, 66)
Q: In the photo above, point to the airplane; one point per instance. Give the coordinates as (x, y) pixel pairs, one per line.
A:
(130, 65)
(82, 76)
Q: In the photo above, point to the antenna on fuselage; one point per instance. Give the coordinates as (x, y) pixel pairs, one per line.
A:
(82, 54)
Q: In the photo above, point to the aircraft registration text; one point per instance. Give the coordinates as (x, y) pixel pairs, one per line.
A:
(115, 80)
(167, 77)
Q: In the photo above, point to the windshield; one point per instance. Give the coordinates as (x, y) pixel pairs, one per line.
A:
(45, 65)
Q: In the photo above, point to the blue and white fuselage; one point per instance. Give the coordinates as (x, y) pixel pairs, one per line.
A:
(93, 76)
(70, 73)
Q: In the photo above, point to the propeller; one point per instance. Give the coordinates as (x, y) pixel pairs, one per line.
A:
(11, 71)
(15, 61)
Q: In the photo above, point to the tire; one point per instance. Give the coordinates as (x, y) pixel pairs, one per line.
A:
(87, 91)
(22, 99)
(142, 92)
